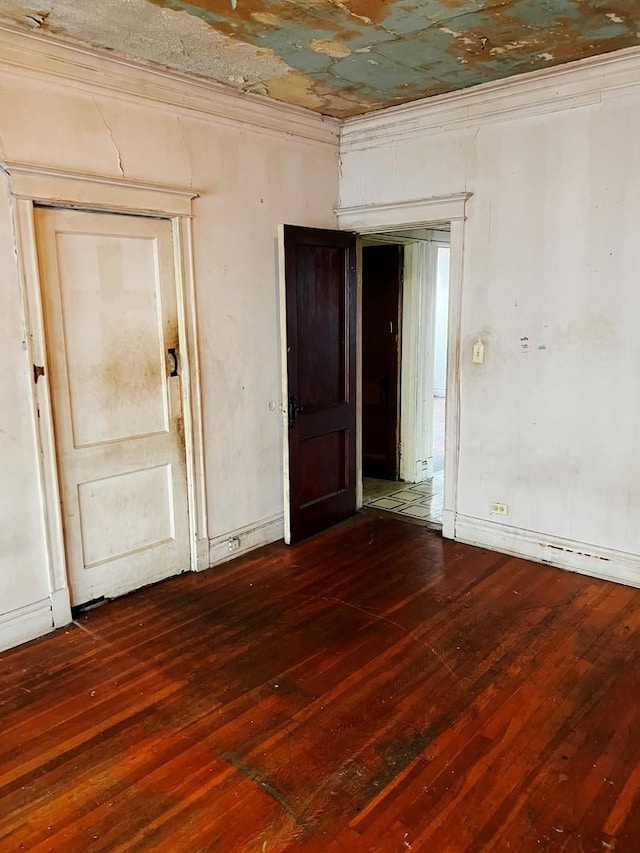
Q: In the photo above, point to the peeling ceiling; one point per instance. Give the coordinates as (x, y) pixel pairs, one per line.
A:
(340, 57)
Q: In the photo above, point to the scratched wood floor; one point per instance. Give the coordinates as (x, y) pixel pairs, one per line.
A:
(373, 689)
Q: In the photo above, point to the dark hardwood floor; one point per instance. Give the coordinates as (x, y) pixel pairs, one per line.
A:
(373, 689)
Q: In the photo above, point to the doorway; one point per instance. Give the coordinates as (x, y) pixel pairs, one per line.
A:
(411, 224)
(415, 488)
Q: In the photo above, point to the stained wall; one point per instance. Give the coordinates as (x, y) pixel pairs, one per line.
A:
(550, 423)
(253, 165)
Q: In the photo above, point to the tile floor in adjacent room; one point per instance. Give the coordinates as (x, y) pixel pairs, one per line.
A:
(421, 501)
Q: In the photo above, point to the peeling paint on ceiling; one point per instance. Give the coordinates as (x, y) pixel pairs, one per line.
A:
(341, 57)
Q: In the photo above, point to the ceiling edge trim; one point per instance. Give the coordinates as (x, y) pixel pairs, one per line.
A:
(88, 71)
(577, 84)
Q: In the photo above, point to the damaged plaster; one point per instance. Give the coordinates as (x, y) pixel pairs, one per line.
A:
(342, 57)
(148, 33)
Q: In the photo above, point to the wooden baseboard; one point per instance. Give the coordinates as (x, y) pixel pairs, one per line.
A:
(244, 539)
(25, 623)
(582, 557)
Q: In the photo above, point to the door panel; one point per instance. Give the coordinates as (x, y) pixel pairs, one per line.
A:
(381, 324)
(320, 304)
(109, 300)
(322, 459)
(104, 514)
(322, 381)
(112, 395)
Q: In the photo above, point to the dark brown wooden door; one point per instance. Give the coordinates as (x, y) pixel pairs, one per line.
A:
(381, 312)
(320, 289)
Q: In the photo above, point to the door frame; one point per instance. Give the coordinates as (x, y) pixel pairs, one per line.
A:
(416, 374)
(421, 213)
(418, 356)
(32, 185)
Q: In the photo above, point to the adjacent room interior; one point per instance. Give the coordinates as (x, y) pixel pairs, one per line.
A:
(314, 533)
(404, 371)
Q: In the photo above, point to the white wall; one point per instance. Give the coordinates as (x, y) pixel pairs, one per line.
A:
(254, 165)
(550, 253)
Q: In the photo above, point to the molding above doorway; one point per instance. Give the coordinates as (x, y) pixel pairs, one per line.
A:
(51, 186)
(416, 213)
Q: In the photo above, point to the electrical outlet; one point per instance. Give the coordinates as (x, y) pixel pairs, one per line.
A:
(234, 544)
(498, 509)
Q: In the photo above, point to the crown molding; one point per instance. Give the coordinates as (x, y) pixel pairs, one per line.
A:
(33, 56)
(574, 85)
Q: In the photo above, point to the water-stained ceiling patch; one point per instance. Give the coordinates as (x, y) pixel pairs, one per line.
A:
(342, 57)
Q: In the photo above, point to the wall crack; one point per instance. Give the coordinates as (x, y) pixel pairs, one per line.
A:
(110, 132)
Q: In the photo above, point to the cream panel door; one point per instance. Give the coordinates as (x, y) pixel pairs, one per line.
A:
(109, 300)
